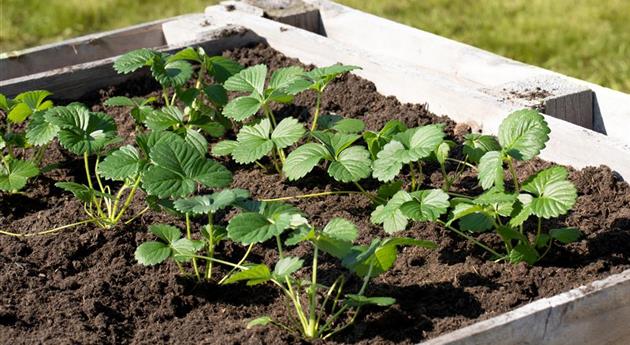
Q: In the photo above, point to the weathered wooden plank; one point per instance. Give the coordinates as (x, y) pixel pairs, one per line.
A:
(81, 49)
(72, 82)
(597, 313)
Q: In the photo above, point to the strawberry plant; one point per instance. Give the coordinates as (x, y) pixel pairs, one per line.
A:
(260, 95)
(140, 107)
(200, 106)
(30, 105)
(346, 162)
(317, 80)
(254, 142)
(329, 309)
(544, 195)
(407, 147)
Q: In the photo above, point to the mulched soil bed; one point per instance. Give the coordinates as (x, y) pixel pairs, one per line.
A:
(83, 285)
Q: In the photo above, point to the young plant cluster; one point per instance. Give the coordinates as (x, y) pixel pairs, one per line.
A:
(214, 97)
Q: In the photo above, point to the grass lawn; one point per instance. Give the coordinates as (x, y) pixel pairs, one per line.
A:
(588, 39)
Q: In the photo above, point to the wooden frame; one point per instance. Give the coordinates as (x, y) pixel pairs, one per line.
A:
(595, 313)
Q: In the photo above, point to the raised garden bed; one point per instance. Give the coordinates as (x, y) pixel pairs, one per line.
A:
(84, 284)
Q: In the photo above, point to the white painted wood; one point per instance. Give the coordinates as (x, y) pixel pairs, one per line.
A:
(72, 82)
(461, 61)
(446, 94)
(597, 313)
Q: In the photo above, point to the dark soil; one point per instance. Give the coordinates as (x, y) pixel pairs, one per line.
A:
(84, 286)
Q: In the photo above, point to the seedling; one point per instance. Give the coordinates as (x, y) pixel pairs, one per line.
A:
(140, 107)
(546, 194)
(175, 71)
(252, 81)
(30, 105)
(257, 141)
(347, 162)
(329, 309)
(183, 249)
(405, 148)
(317, 80)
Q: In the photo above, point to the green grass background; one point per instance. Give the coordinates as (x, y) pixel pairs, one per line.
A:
(588, 39)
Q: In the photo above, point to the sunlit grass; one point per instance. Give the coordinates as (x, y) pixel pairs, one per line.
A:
(588, 39)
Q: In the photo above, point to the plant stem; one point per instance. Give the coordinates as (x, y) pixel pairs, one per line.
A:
(312, 318)
(312, 195)
(50, 231)
(87, 170)
(470, 238)
(446, 185)
(279, 243)
(267, 111)
(144, 210)
(412, 172)
(238, 264)
(513, 172)
(189, 236)
(538, 230)
(210, 245)
(317, 106)
(129, 199)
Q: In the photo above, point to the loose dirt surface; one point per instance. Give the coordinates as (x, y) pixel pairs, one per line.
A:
(84, 286)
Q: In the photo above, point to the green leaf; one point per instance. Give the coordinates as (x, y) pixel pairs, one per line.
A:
(81, 192)
(167, 117)
(491, 170)
(19, 113)
(554, 194)
(341, 229)
(387, 190)
(508, 234)
(35, 99)
(189, 54)
(360, 300)
(3, 144)
(224, 148)
(196, 140)
(120, 101)
(442, 151)
(261, 321)
(152, 253)
(121, 164)
(476, 222)
(253, 142)
(284, 77)
(390, 214)
(5, 103)
(173, 74)
(251, 79)
(523, 252)
(254, 275)
(134, 60)
(388, 164)
(81, 130)
(376, 141)
(250, 227)
(204, 204)
(222, 68)
(184, 249)
(178, 167)
(242, 108)
(40, 132)
(216, 94)
(476, 145)
(565, 235)
(18, 173)
(352, 164)
(303, 159)
(166, 233)
(287, 132)
(420, 142)
(523, 134)
(340, 124)
(287, 266)
(426, 205)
